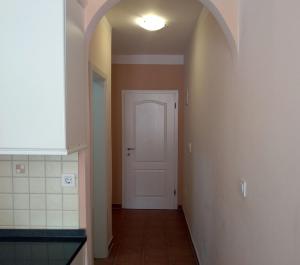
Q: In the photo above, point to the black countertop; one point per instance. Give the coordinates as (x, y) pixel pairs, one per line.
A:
(40, 247)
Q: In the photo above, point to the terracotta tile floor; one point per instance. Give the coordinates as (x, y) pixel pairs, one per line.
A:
(150, 237)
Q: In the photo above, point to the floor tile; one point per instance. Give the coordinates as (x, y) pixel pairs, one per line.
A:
(150, 237)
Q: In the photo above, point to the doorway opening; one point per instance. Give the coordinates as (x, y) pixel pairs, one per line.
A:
(150, 149)
(147, 166)
(150, 67)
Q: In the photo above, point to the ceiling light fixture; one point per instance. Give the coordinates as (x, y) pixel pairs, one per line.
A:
(151, 22)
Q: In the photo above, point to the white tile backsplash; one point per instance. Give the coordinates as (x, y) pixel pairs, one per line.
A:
(38, 218)
(6, 201)
(6, 218)
(71, 157)
(37, 201)
(54, 202)
(5, 158)
(20, 157)
(36, 168)
(35, 198)
(53, 185)
(53, 169)
(21, 201)
(70, 167)
(21, 185)
(21, 218)
(5, 169)
(70, 202)
(70, 219)
(54, 218)
(53, 158)
(37, 185)
(36, 158)
(6, 185)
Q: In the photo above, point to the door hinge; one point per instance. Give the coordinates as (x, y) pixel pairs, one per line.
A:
(175, 105)
(175, 192)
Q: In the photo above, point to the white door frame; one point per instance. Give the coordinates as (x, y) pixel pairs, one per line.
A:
(103, 244)
(174, 91)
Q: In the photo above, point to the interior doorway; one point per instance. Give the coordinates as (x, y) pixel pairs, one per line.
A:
(147, 47)
(150, 149)
(99, 168)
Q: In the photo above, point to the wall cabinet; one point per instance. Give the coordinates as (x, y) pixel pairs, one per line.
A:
(42, 89)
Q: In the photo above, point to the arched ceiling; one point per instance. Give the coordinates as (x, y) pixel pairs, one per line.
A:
(226, 13)
(128, 38)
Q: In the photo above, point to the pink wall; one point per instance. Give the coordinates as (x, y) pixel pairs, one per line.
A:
(143, 77)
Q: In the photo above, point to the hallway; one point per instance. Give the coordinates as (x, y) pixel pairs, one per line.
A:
(150, 237)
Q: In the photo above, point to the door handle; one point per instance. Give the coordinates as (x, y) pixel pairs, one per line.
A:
(130, 149)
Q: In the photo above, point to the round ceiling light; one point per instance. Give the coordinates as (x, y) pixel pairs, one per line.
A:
(151, 22)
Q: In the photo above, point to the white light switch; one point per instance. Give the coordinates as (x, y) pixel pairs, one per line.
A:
(68, 180)
(190, 147)
(243, 188)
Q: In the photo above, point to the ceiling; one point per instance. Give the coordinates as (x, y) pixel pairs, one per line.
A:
(128, 38)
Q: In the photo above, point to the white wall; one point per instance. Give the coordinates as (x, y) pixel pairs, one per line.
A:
(243, 121)
(209, 125)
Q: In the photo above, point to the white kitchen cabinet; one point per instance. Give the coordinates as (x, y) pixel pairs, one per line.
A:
(42, 89)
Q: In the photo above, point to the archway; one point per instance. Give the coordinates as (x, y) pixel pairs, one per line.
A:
(226, 15)
(225, 12)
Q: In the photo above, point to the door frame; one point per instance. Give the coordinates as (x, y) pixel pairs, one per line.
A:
(94, 71)
(169, 91)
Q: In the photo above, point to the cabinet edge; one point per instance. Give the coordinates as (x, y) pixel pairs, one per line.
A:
(41, 151)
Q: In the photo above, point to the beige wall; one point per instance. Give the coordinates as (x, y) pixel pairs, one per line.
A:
(243, 121)
(100, 61)
(211, 192)
(142, 77)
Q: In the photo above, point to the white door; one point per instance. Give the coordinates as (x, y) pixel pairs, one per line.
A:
(150, 149)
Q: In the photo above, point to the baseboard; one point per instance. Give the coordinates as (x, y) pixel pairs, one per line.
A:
(196, 253)
(116, 206)
(119, 206)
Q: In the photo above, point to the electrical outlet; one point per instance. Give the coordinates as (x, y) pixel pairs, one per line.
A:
(68, 180)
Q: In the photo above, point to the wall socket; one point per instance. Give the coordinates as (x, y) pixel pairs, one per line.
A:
(68, 180)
